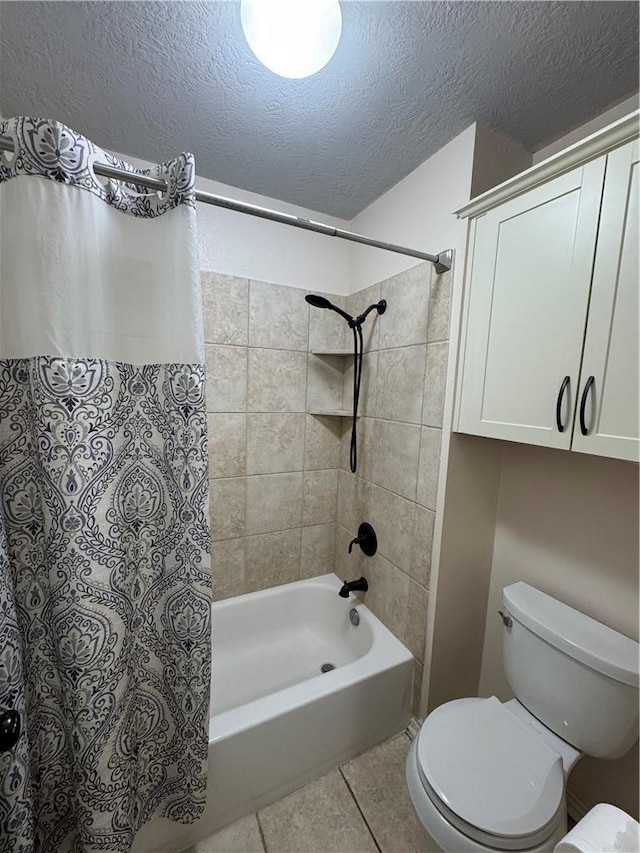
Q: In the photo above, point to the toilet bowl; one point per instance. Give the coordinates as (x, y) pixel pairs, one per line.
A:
(484, 775)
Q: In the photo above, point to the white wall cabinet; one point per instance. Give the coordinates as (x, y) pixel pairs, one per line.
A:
(549, 352)
(610, 413)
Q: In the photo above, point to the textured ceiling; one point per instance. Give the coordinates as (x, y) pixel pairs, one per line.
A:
(153, 79)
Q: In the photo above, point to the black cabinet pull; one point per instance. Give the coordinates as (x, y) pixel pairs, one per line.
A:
(9, 730)
(583, 404)
(563, 388)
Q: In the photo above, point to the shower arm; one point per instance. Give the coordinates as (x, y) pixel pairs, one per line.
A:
(441, 262)
(380, 307)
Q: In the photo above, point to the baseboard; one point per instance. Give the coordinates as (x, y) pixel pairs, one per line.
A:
(413, 728)
(576, 809)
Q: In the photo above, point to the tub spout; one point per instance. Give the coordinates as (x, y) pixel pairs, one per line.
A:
(360, 585)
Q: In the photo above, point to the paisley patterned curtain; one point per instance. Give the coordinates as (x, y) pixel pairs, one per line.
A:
(104, 542)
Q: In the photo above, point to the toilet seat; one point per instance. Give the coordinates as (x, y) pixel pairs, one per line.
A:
(490, 774)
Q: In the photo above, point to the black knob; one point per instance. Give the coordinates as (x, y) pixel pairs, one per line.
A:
(366, 539)
(9, 730)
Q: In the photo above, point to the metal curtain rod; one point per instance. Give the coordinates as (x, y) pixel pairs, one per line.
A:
(442, 262)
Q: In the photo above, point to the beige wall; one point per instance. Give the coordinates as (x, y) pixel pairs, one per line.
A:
(416, 212)
(567, 523)
(399, 439)
(249, 247)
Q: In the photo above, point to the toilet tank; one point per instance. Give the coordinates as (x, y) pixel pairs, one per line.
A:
(576, 675)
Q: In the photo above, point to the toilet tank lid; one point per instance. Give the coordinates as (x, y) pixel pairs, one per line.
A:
(574, 633)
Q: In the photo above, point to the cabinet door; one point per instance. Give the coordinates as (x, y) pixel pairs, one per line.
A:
(611, 344)
(528, 293)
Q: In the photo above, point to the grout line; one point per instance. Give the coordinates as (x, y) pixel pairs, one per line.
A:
(279, 530)
(355, 800)
(327, 355)
(261, 831)
(304, 448)
(245, 585)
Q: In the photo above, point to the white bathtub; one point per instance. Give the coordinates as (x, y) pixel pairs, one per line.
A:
(276, 720)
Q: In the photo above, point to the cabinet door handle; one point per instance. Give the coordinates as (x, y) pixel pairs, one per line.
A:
(563, 388)
(583, 404)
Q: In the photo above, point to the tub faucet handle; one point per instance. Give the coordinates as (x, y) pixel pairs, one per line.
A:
(366, 539)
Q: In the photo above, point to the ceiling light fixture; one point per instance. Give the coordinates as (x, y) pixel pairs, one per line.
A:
(293, 38)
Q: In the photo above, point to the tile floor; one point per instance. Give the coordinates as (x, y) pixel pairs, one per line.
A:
(362, 807)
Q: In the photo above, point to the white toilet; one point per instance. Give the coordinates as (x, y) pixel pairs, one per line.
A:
(485, 775)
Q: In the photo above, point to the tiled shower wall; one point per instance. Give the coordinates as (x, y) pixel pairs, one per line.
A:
(273, 467)
(399, 438)
(284, 503)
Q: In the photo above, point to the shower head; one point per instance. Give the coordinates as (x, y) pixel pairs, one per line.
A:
(321, 302)
(318, 301)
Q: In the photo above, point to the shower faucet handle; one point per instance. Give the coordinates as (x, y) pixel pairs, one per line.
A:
(366, 539)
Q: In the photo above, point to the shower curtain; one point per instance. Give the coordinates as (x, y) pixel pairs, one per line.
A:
(104, 541)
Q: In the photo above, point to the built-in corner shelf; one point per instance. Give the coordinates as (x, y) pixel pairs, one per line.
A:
(334, 413)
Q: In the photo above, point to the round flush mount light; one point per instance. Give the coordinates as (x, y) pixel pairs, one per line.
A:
(293, 38)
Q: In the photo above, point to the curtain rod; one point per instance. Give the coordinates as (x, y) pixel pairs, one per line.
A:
(442, 262)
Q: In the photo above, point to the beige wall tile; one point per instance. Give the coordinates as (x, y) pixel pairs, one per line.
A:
(322, 442)
(430, 442)
(318, 550)
(400, 381)
(416, 620)
(228, 568)
(324, 382)
(227, 508)
(274, 502)
(327, 330)
(277, 381)
(388, 593)
(273, 559)
(422, 545)
(440, 307)
(278, 316)
(396, 450)
(225, 308)
(319, 496)
(275, 442)
(405, 320)
(377, 779)
(317, 818)
(227, 445)
(354, 500)
(392, 518)
(434, 384)
(226, 378)
(368, 385)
